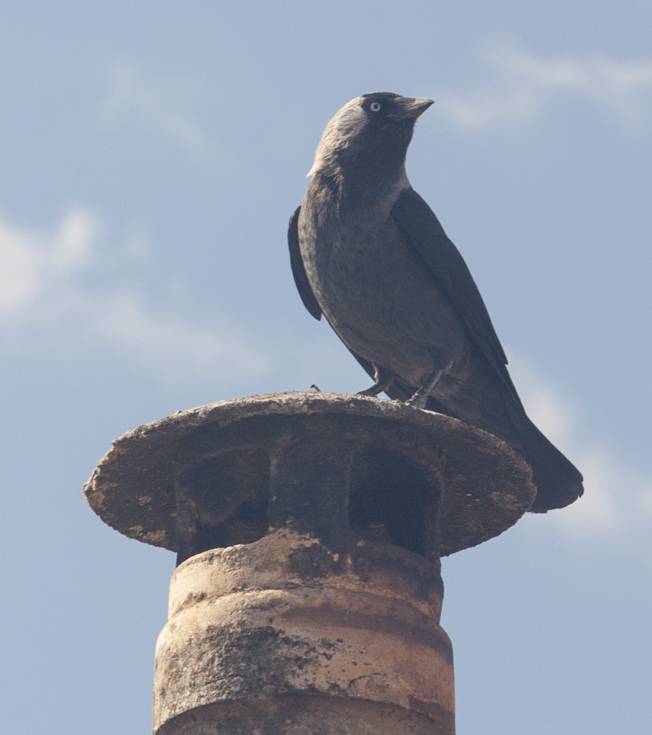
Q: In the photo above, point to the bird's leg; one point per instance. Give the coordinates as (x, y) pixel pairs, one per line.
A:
(421, 395)
(382, 380)
(314, 387)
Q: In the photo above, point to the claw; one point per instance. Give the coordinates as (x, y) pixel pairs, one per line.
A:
(383, 379)
(374, 389)
(420, 397)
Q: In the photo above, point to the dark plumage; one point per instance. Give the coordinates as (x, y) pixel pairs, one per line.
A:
(368, 253)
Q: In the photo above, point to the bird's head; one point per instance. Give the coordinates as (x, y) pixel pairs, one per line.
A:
(373, 130)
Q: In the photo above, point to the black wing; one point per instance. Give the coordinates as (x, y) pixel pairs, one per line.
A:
(304, 288)
(424, 233)
(298, 271)
(558, 480)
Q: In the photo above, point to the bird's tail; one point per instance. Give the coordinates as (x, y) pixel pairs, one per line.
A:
(558, 481)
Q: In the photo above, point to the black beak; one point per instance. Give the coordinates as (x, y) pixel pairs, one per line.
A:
(415, 106)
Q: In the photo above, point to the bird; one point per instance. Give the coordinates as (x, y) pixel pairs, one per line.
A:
(369, 255)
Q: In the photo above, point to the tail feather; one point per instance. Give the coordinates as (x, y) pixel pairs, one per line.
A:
(558, 481)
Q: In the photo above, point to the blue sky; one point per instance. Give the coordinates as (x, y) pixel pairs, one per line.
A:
(151, 155)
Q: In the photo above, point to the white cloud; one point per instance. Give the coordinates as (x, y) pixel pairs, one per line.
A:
(174, 346)
(163, 105)
(618, 497)
(53, 280)
(31, 261)
(19, 267)
(522, 83)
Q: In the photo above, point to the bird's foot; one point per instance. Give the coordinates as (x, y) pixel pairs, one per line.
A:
(373, 390)
(382, 380)
(376, 388)
(420, 397)
(314, 387)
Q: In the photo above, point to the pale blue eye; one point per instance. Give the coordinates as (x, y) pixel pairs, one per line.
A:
(375, 106)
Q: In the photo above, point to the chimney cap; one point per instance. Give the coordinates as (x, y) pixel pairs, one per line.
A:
(486, 485)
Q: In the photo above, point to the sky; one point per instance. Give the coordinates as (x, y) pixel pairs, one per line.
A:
(151, 155)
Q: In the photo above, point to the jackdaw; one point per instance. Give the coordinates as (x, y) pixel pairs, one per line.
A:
(370, 255)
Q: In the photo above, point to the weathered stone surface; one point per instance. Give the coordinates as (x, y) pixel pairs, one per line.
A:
(247, 625)
(304, 715)
(485, 485)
